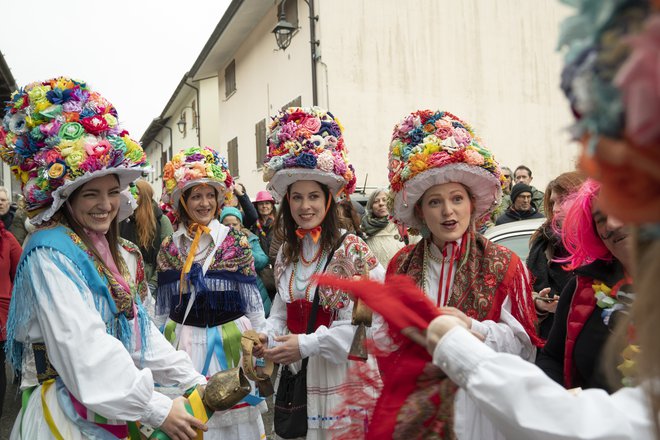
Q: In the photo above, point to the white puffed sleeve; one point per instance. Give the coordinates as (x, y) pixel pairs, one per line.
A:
(522, 402)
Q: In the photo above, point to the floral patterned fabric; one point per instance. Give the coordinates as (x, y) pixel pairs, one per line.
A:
(233, 255)
(485, 276)
(123, 299)
(353, 257)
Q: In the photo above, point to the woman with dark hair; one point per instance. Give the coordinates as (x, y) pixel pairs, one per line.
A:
(88, 352)
(598, 248)
(546, 246)
(308, 182)
(10, 252)
(348, 217)
(147, 228)
(263, 227)
(207, 282)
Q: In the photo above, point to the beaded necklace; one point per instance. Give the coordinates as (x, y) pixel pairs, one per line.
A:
(428, 255)
(201, 255)
(306, 262)
(305, 284)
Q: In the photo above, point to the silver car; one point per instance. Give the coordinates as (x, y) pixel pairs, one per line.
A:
(515, 235)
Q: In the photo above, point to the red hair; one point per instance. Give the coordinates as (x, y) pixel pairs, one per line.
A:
(578, 230)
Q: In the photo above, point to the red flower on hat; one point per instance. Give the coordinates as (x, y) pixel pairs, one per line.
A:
(94, 124)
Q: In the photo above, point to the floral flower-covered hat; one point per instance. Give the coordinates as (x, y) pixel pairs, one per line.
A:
(430, 148)
(58, 134)
(307, 144)
(194, 166)
(610, 76)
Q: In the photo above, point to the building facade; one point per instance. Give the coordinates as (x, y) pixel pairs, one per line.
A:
(372, 62)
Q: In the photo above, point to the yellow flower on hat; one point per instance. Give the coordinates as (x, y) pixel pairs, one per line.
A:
(170, 184)
(111, 120)
(418, 162)
(62, 83)
(131, 145)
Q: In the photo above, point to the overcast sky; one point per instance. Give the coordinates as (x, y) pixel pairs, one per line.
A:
(134, 52)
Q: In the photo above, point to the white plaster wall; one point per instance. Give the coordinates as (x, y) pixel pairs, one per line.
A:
(492, 63)
(266, 79)
(209, 111)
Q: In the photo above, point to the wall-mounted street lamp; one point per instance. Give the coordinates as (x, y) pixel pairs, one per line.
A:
(283, 30)
(181, 124)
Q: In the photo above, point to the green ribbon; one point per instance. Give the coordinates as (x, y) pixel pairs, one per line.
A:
(231, 342)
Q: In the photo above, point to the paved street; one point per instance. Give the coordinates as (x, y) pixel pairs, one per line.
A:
(10, 409)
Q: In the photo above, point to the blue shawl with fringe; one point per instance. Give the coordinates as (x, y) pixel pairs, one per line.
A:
(21, 309)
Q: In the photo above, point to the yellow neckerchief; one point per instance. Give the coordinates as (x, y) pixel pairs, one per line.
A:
(196, 229)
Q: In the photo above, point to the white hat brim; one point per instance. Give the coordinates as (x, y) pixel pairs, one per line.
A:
(173, 199)
(61, 194)
(280, 182)
(484, 187)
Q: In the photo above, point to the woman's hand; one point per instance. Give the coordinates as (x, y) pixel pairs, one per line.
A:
(259, 349)
(439, 327)
(453, 311)
(286, 353)
(548, 305)
(179, 425)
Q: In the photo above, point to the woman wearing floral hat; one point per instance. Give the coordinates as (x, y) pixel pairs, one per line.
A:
(207, 282)
(307, 170)
(88, 352)
(443, 181)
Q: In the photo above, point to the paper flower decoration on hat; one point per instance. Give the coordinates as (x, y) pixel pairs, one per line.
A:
(307, 144)
(58, 134)
(610, 77)
(194, 166)
(596, 43)
(430, 148)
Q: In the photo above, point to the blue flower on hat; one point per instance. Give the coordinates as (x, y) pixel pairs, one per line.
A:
(307, 160)
(330, 128)
(58, 96)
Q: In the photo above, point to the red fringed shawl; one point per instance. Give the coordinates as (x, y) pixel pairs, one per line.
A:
(486, 274)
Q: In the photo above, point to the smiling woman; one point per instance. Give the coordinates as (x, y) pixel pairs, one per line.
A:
(207, 291)
(77, 328)
(95, 205)
(309, 329)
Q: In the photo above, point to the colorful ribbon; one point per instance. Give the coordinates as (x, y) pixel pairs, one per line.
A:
(47, 415)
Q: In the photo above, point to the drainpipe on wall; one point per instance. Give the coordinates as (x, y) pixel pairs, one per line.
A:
(199, 129)
(313, 43)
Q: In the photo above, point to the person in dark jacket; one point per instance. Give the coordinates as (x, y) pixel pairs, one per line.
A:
(7, 209)
(521, 207)
(238, 198)
(599, 252)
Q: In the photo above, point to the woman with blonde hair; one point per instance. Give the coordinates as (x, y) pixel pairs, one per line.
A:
(147, 228)
(207, 286)
(444, 180)
(383, 236)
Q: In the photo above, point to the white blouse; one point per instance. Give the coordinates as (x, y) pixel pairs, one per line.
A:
(333, 343)
(95, 366)
(523, 402)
